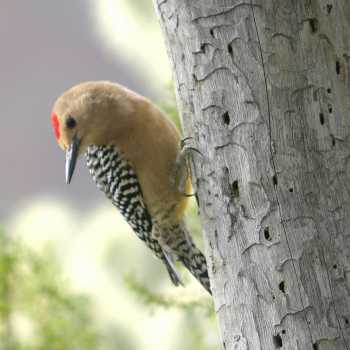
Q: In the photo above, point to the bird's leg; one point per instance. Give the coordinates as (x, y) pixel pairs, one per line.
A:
(183, 171)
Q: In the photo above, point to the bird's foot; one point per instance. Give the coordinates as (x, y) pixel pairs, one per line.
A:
(183, 166)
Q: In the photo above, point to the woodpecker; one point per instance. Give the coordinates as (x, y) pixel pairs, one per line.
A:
(134, 155)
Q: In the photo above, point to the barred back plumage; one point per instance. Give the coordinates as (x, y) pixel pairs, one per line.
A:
(117, 179)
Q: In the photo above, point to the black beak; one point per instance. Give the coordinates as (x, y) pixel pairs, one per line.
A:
(71, 158)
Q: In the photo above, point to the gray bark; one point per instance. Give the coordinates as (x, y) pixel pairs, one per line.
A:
(263, 88)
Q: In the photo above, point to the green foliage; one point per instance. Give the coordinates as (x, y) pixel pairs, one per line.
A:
(152, 299)
(31, 286)
(198, 314)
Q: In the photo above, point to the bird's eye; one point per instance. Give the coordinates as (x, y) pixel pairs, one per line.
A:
(71, 123)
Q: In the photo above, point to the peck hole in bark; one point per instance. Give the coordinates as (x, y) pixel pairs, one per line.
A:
(277, 341)
(329, 8)
(235, 189)
(321, 118)
(226, 118)
(274, 179)
(267, 233)
(282, 286)
(337, 67)
(313, 25)
(333, 140)
(315, 346)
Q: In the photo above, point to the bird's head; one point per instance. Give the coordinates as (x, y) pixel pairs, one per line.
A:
(92, 113)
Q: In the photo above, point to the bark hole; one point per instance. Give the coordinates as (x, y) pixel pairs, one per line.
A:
(203, 46)
(283, 331)
(333, 140)
(282, 287)
(329, 90)
(277, 341)
(337, 67)
(235, 189)
(314, 346)
(226, 118)
(346, 321)
(330, 109)
(229, 49)
(321, 118)
(274, 179)
(267, 233)
(313, 25)
(335, 266)
(211, 31)
(329, 8)
(291, 190)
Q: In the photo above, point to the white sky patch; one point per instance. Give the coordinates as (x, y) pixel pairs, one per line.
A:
(24, 329)
(42, 221)
(137, 38)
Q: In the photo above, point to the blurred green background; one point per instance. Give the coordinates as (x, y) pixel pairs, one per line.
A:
(72, 273)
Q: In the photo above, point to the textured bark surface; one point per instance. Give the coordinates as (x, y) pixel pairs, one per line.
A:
(264, 90)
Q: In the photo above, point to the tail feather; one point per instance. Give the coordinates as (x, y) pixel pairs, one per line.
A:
(193, 259)
(197, 265)
(176, 241)
(173, 273)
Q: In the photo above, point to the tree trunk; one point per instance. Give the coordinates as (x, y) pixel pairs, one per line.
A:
(264, 90)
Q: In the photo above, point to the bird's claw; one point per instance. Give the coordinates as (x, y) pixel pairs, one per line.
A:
(183, 167)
